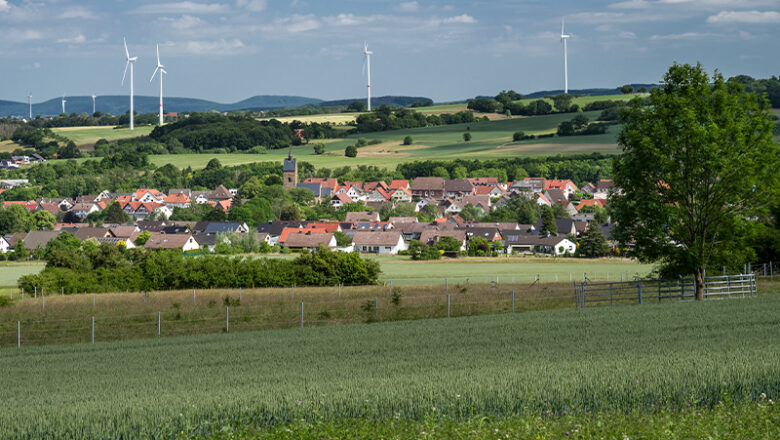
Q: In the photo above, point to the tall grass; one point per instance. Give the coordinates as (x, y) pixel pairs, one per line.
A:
(620, 359)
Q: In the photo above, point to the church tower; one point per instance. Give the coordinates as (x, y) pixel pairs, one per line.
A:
(290, 170)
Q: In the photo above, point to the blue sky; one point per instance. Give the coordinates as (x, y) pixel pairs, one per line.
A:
(227, 50)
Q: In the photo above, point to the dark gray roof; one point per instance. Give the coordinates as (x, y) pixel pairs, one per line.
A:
(275, 228)
(220, 227)
(316, 188)
(289, 164)
(458, 185)
(205, 239)
(176, 229)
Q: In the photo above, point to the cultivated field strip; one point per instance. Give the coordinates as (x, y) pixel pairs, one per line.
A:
(67, 319)
(577, 361)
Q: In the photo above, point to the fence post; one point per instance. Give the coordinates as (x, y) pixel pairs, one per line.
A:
(446, 286)
(159, 322)
(18, 334)
(144, 297)
(62, 291)
(43, 301)
(35, 293)
(194, 301)
(227, 319)
(639, 290)
(513, 300)
(764, 271)
(339, 290)
(240, 293)
(301, 314)
(728, 286)
(93, 329)
(448, 305)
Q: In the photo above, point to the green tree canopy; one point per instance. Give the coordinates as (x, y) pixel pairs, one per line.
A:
(697, 164)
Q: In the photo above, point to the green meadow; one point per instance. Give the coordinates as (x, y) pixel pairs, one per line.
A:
(90, 135)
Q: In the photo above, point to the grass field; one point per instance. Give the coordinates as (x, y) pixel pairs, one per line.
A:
(536, 366)
(580, 101)
(90, 135)
(8, 146)
(333, 118)
(403, 271)
(11, 271)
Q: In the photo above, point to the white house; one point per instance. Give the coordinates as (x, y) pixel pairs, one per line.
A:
(4, 245)
(377, 242)
(532, 243)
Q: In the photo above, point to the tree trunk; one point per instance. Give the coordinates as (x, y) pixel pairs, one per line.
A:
(699, 279)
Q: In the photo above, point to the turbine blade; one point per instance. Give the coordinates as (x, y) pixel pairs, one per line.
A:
(562, 33)
(158, 54)
(125, 74)
(127, 52)
(155, 73)
(163, 71)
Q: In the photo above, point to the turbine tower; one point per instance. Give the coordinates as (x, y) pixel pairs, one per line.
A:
(130, 62)
(162, 71)
(367, 53)
(63, 103)
(565, 37)
(93, 103)
(29, 102)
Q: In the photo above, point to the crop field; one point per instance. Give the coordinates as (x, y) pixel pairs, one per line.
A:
(90, 135)
(8, 146)
(574, 364)
(333, 118)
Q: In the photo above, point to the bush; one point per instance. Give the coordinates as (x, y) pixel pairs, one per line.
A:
(518, 136)
(408, 140)
(319, 148)
(350, 151)
(466, 137)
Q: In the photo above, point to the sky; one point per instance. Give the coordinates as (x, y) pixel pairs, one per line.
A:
(228, 50)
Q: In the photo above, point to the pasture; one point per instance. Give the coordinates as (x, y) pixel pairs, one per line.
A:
(580, 101)
(573, 364)
(9, 146)
(90, 135)
(11, 271)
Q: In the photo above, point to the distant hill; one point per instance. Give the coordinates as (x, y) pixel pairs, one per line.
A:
(119, 104)
(402, 101)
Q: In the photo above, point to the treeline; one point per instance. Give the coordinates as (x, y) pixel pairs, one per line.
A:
(580, 125)
(110, 268)
(397, 118)
(45, 142)
(508, 102)
(768, 87)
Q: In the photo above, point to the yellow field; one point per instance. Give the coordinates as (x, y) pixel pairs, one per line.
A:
(333, 118)
(90, 135)
(8, 146)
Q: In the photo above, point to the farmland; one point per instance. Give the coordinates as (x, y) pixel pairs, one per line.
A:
(8, 146)
(559, 367)
(90, 135)
(490, 140)
(403, 271)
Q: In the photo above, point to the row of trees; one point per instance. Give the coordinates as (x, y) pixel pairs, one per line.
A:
(396, 118)
(91, 267)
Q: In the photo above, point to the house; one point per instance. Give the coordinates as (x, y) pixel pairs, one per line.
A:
(489, 234)
(413, 231)
(176, 229)
(556, 196)
(184, 242)
(147, 195)
(63, 203)
(325, 182)
(371, 186)
(400, 184)
(479, 202)
(527, 243)
(432, 236)
(12, 183)
(396, 220)
(355, 217)
(401, 195)
(38, 239)
(51, 208)
(493, 192)
(90, 232)
(5, 246)
(543, 200)
(163, 211)
(591, 202)
(449, 207)
(311, 240)
(498, 225)
(205, 241)
(603, 188)
(534, 184)
(177, 200)
(274, 229)
(458, 188)
(483, 181)
(567, 186)
(8, 164)
(124, 231)
(287, 232)
(565, 226)
(214, 228)
(385, 243)
(82, 210)
(150, 225)
(340, 199)
(140, 210)
(588, 188)
(378, 195)
(372, 225)
(424, 187)
(317, 188)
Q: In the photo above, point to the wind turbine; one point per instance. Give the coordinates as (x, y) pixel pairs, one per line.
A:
(93, 103)
(162, 71)
(29, 102)
(565, 37)
(367, 67)
(63, 103)
(130, 62)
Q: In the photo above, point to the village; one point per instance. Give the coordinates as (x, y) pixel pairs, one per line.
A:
(360, 231)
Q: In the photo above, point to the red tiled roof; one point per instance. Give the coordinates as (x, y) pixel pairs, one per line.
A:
(399, 184)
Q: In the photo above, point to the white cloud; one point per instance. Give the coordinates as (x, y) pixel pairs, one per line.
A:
(185, 7)
(4, 6)
(685, 36)
(627, 35)
(463, 18)
(631, 4)
(295, 23)
(218, 47)
(753, 17)
(78, 12)
(17, 35)
(408, 7)
(252, 5)
(78, 39)
(184, 22)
